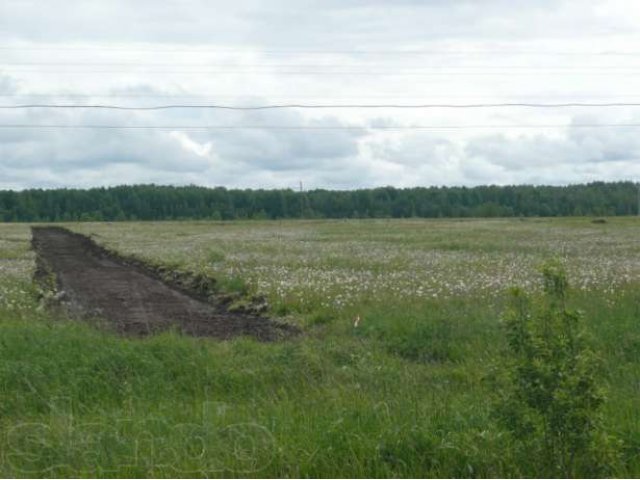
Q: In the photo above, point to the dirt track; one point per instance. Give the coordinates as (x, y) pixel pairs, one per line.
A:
(97, 285)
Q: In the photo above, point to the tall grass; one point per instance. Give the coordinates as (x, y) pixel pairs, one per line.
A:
(377, 400)
(403, 393)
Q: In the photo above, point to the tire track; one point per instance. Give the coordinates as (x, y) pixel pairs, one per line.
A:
(96, 284)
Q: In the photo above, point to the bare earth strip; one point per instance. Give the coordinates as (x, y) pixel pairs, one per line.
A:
(98, 285)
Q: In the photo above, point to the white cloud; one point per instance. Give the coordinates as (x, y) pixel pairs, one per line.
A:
(254, 52)
(190, 145)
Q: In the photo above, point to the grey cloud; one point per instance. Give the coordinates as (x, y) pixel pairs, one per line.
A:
(579, 146)
(278, 150)
(417, 151)
(228, 154)
(287, 23)
(8, 85)
(559, 157)
(331, 158)
(66, 151)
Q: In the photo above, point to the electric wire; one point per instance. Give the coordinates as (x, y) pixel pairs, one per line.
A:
(313, 127)
(272, 95)
(324, 73)
(321, 106)
(323, 65)
(274, 51)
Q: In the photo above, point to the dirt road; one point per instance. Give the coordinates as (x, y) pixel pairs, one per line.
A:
(95, 284)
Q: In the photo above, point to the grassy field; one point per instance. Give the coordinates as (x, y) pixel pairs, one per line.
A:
(403, 393)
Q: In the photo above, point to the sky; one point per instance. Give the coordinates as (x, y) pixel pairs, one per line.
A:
(329, 53)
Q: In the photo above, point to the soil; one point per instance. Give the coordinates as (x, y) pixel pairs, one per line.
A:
(93, 283)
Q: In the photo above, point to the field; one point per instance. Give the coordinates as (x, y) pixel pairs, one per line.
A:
(400, 325)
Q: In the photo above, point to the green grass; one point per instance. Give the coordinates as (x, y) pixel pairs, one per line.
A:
(77, 401)
(403, 394)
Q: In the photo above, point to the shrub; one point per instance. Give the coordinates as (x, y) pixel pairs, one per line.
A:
(550, 399)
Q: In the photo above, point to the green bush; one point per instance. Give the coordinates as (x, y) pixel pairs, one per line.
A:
(550, 399)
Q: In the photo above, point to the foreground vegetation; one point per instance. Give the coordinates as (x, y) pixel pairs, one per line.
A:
(393, 377)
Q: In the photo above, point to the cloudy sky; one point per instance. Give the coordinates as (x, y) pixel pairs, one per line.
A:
(325, 52)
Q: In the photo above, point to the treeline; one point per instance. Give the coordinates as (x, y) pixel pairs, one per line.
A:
(154, 202)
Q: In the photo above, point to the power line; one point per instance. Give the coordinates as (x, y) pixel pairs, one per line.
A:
(275, 51)
(313, 127)
(271, 95)
(322, 65)
(281, 96)
(389, 73)
(324, 106)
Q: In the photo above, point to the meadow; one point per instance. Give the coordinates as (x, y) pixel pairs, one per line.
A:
(401, 324)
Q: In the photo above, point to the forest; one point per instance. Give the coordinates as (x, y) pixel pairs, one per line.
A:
(156, 202)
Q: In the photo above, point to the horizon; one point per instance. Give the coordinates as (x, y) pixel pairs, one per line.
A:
(328, 189)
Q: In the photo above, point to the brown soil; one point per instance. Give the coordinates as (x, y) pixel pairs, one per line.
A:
(94, 283)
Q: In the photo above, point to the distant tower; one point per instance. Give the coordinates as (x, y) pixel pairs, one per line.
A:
(301, 201)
